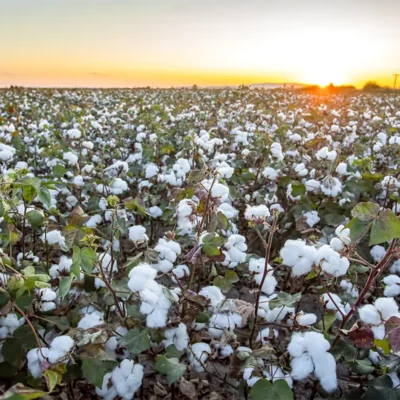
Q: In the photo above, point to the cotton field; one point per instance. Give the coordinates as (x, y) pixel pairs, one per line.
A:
(199, 244)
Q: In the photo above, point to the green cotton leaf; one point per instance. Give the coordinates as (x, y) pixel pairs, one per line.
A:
(358, 229)
(385, 227)
(85, 258)
(28, 271)
(328, 319)
(284, 299)
(136, 341)
(75, 270)
(65, 286)
(52, 378)
(172, 352)
(170, 367)
(279, 390)
(44, 196)
(383, 344)
(224, 284)
(366, 212)
(21, 392)
(59, 171)
(213, 240)
(94, 369)
(12, 351)
(222, 221)
(231, 276)
(29, 193)
(210, 250)
(298, 190)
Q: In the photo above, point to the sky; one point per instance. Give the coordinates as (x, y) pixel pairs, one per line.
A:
(163, 43)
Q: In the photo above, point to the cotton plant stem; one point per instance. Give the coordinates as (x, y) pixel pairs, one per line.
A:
(267, 256)
(374, 272)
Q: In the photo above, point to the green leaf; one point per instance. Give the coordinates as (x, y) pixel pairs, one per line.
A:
(366, 212)
(12, 351)
(383, 344)
(224, 284)
(284, 299)
(94, 370)
(136, 341)
(210, 250)
(231, 276)
(172, 352)
(29, 193)
(279, 390)
(311, 275)
(26, 337)
(85, 258)
(75, 270)
(328, 318)
(170, 367)
(358, 229)
(384, 228)
(44, 196)
(52, 378)
(223, 222)
(65, 286)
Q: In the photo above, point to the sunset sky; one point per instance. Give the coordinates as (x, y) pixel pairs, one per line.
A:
(166, 43)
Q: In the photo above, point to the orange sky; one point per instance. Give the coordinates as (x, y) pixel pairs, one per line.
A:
(206, 42)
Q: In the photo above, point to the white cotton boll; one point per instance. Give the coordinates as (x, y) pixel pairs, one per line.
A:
(212, 293)
(331, 186)
(302, 366)
(90, 320)
(270, 173)
(379, 331)
(349, 288)
(48, 306)
(220, 191)
(306, 319)
(219, 323)
(315, 343)
(312, 218)
(377, 253)
(278, 314)
(35, 360)
(325, 154)
(151, 171)
(313, 186)
(140, 276)
(177, 336)
(225, 351)
(276, 151)
(331, 262)
(325, 371)
(336, 244)
(88, 145)
(375, 357)
(127, 378)
(392, 287)
(387, 307)
(369, 314)
(198, 355)
(138, 233)
(395, 268)
(229, 211)
(180, 272)
(54, 237)
(47, 294)
(297, 345)
(94, 221)
(59, 348)
(255, 213)
(299, 256)
(155, 211)
(341, 169)
(264, 335)
(71, 158)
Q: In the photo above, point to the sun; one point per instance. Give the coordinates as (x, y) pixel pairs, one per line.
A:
(323, 75)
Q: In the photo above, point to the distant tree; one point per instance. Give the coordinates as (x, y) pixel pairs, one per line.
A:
(371, 85)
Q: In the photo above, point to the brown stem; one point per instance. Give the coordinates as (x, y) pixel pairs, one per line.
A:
(265, 273)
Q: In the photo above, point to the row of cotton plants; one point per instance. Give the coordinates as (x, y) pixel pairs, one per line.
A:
(199, 244)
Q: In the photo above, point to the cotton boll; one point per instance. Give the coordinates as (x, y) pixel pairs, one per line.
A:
(369, 314)
(297, 345)
(198, 355)
(127, 378)
(299, 256)
(264, 335)
(336, 244)
(59, 348)
(325, 371)
(47, 294)
(177, 336)
(387, 307)
(151, 171)
(225, 351)
(35, 360)
(256, 213)
(138, 233)
(140, 276)
(377, 253)
(220, 191)
(219, 323)
(331, 262)
(312, 218)
(379, 331)
(90, 320)
(212, 293)
(302, 366)
(306, 319)
(180, 272)
(315, 343)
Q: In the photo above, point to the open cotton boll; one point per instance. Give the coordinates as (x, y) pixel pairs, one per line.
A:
(168, 252)
(325, 371)
(9, 324)
(325, 154)
(71, 158)
(94, 221)
(219, 323)
(302, 366)
(59, 348)
(140, 276)
(229, 211)
(387, 307)
(138, 233)
(276, 151)
(392, 287)
(331, 186)
(299, 256)
(349, 288)
(220, 191)
(256, 213)
(332, 302)
(297, 345)
(212, 293)
(177, 336)
(258, 266)
(180, 272)
(270, 173)
(53, 237)
(315, 343)
(151, 171)
(369, 314)
(343, 234)
(90, 320)
(155, 211)
(377, 253)
(331, 262)
(198, 354)
(47, 294)
(35, 360)
(265, 334)
(225, 351)
(312, 218)
(127, 378)
(304, 319)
